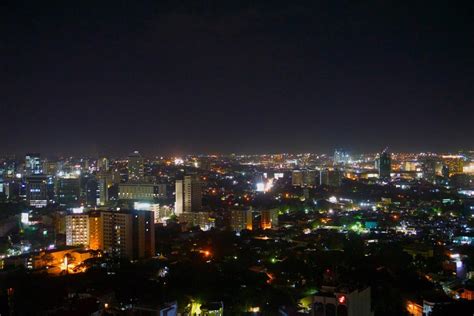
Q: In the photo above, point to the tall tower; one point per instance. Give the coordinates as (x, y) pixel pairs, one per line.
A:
(188, 195)
(384, 165)
(136, 170)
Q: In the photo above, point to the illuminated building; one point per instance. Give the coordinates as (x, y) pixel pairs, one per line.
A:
(341, 157)
(303, 178)
(141, 191)
(330, 177)
(77, 229)
(410, 166)
(241, 219)
(136, 170)
(103, 164)
(162, 212)
(128, 234)
(33, 164)
(429, 168)
(341, 301)
(384, 165)
(201, 219)
(297, 178)
(269, 219)
(37, 191)
(455, 164)
(188, 195)
(95, 231)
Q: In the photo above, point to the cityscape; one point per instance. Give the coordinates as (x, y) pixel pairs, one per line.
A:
(238, 157)
(277, 234)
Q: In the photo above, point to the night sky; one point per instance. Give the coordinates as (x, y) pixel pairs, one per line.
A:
(174, 77)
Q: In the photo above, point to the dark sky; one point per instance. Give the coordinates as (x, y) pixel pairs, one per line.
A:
(235, 76)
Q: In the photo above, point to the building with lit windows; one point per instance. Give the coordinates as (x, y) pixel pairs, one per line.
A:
(241, 219)
(33, 164)
(383, 164)
(37, 191)
(330, 177)
(141, 191)
(188, 195)
(136, 169)
(77, 229)
(269, 219)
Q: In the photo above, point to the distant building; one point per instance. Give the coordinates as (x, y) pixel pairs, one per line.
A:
(33, 164)
(384, 165)
(188, 195)
(341, 157)
(330, 177)
(77, 229)
(303, 178)
(141, 191)
(36, 191)
(103, 164)
(68, 191)
(429, 166)
(269, 219)
(136, 169)
(128, 234)
(341, 301)
(241, 219)
(201, 219)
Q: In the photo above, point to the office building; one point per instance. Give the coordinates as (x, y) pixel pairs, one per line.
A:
(68, 191)
(383, 165)
(188, 195)
(136, 169)
(141, 191)
(36, 191)
(33, 164)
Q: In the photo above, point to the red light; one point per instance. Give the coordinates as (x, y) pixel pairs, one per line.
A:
(342, 299)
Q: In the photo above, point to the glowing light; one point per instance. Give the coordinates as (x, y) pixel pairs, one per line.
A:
(342, 299)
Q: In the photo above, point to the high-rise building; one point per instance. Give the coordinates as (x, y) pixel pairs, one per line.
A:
(36, 190)
(330, 177)
(201, 219)
(77, 229)
(128, 234)
(429, 168)
(141, 191)
(297, 178)
(241, 219)
(68, 191)
(269, 219)
(136, 169)
(303, 178)
(384, 165)
(103, 164)
(33, 164)
(188, 194)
